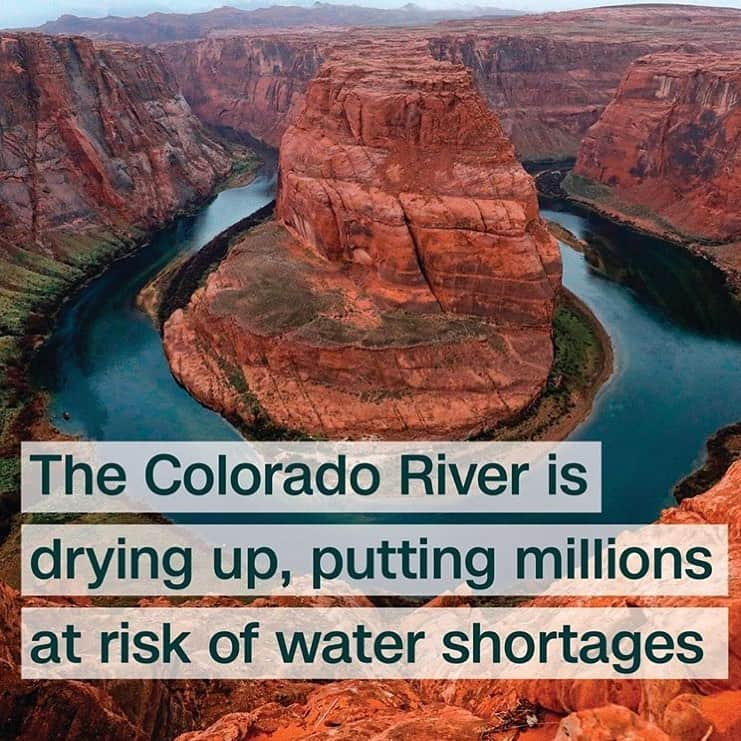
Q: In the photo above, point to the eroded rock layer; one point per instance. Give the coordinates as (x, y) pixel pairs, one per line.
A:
(668, 149)
(547, 77)
(405, 173)
(98, 145)
(684, 709)
(248, 85)
(407, 289)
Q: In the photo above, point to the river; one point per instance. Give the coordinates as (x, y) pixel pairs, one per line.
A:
(104, 363)
(675, 332)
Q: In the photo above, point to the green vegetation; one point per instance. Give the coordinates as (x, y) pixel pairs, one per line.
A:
(32, 284)
(581, 363)
(243, 169)
(283, 292)
(578, 352)
(585, 188)
(278, 298)
(262, 427)
(601, 195)
(34, 280)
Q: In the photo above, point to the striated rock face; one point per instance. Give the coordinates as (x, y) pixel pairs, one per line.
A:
(97, 145)
(409, 287)
(95, 135)
(73, 710)
(547, 77)
(249, 85)
(546, 90)
(666, 153)
(405, 173)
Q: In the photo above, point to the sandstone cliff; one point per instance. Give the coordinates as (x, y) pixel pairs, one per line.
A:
(97, 147)
(247, 85)
(97, 142)
(547, 90)
(547, 77)
(669, 145)
(408, 288)
(666, 153)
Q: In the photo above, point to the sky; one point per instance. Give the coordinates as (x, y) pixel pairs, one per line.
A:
(34, 12)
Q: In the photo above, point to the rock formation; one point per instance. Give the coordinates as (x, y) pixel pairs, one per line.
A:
(669, 146)
(247, 85)
(405, 172)
(408, 288)
(666, 153)
(98, 145)
(547, 90)
(686, 709)
(547, 77)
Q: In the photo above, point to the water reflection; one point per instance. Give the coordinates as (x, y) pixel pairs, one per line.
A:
(690, 292)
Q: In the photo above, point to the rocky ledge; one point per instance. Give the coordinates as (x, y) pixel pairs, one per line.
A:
(408, 285)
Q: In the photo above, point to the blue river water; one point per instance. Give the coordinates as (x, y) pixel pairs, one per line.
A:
(104, 364)
(675, 332)
(676, 335)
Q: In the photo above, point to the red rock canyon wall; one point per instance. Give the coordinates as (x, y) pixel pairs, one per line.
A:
(98, 144)
(669, 146)
(547, 77)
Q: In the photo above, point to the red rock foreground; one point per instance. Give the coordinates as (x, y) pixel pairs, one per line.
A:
(586, 710)
(666, 153)
(408, 286)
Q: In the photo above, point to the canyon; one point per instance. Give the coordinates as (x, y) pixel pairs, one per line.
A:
(548, 77)
(248, 85)
(407, 286)
(666, 154)
(98, 149)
